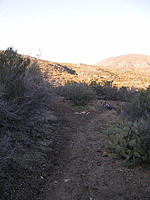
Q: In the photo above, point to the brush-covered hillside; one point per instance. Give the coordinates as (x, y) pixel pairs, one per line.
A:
(132, 70)
(49, 134)
(128, 70)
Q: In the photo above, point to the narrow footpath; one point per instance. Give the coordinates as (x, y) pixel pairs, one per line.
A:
(87, 172)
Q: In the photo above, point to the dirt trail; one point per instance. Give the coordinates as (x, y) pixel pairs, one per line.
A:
(87, 171)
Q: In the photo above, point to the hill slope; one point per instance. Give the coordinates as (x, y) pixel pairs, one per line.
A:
(128, 70)
(130, 61)
(131, 70)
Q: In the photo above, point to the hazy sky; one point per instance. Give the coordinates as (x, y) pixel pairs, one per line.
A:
(77, 31)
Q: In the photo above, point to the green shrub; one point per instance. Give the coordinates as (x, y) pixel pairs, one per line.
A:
(78, 93)
(12, 71)
(138, 106)
(23, 93)
(105, 91)
(24, 97)
(130, 141)
(99, 90)
(109, 92)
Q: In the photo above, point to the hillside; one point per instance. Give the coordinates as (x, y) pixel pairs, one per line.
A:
(57, 148)
(127, 62)
(60, 73)
(131, 70)
(128, 70)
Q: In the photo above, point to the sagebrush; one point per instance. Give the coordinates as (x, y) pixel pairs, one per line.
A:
(109, 92)
(24, 95)
(78, 93)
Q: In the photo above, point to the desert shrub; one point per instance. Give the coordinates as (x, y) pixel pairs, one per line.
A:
(23, 91)
(138, 106)
(12, 71)
(78, 93)
(130, 141)
(105, 91)
(24, 95)
(119, 94)
(109, 92)
(99, 89)
(130, 137)
(123, 93)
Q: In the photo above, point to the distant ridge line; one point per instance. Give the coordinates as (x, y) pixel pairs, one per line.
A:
(126, 61)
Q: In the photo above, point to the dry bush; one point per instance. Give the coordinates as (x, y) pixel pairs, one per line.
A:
(109, 92)
(138, 106)
(78, 93)
(24, 95)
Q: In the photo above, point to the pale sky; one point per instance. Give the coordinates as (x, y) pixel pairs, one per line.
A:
(75, 31)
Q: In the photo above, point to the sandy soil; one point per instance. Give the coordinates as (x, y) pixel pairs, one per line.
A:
(86, 171)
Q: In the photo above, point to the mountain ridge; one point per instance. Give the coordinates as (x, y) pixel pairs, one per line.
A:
(128, 61)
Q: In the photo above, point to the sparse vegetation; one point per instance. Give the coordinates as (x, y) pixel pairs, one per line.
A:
(107, 91)
(138, 106)
(130, 137)
(78, 93)
(120, 77)
(30, 132)
(129, 141)
(23, 98)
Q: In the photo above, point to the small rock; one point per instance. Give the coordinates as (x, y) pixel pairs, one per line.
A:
(76, 113)
(66, 180)
(83, 113)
